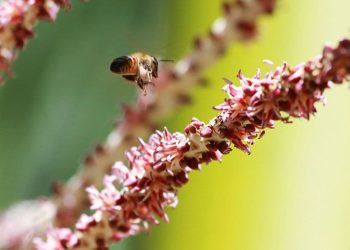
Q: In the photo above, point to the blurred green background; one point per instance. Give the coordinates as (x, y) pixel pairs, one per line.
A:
(291, 193)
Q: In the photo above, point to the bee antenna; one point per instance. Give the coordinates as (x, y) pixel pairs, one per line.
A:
(166, 60)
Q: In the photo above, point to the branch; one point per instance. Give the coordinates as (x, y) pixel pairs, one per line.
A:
(134, 198)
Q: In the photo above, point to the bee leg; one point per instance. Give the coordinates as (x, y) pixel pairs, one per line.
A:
(139, 82)
(142, 85)
(144, 89)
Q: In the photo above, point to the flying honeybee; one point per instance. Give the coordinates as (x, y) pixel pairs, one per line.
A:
(139, 67)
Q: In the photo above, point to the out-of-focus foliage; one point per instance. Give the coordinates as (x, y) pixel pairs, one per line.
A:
(291, 193)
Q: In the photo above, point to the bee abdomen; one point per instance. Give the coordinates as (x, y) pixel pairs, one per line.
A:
(124, 65)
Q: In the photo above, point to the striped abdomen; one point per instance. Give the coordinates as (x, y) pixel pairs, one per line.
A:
(125, 65)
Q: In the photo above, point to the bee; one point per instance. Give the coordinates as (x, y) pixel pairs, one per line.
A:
(139, 68)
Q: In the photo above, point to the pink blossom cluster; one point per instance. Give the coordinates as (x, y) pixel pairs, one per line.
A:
(136, 197)
(17, 19)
